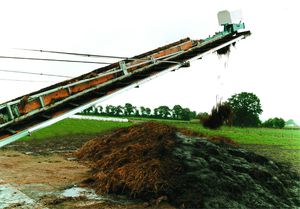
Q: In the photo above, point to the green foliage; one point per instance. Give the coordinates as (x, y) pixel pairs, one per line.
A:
(128, 109)
(110, 110)
(88, 110)
(202, 116)
(177, 113)
(186, 114)
(290, 122)
(274, 123)
(136, 112)
(162, 112)
(99, 110)
(246, 109)
(148, 111)
(193, 114)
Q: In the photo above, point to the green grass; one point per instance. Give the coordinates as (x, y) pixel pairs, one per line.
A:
(69, 127)
(286, 138)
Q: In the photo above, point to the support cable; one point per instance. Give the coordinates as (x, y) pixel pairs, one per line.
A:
(96, 55)
(32, 73)
(54, 60)
(21, 80)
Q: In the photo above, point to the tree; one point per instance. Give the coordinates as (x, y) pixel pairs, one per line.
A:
(89, 110)
(136, 112)
(118, 110)
(193, 114)
(148, 111)
(202, 116)
(156, 113)
(110, 110)
(162, 112)
(185, 114)
(145, 111)
(177, 111)
(99, 110)
(246, 109)
(128, 109)
(290, 122)
(274, 123)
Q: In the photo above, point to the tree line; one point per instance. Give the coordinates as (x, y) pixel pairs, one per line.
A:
(128, 110)
(242, 110)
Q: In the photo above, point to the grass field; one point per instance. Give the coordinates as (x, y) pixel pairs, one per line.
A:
(69, 127)
(286, 138)
(279, 144)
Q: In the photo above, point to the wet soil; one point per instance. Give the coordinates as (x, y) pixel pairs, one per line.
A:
(43, 171)
(55, 170)
(61, 145)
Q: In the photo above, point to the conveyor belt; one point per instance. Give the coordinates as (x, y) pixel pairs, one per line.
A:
(39, 109)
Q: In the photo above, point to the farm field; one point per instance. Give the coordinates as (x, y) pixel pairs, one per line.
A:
(73, 127)
(49, 162)
(279, 144)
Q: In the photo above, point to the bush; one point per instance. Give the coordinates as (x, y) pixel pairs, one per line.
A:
(274, 123)
(202, 116)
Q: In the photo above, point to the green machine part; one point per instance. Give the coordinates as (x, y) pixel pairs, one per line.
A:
(8, 112)
(231, 28)
(227, 29)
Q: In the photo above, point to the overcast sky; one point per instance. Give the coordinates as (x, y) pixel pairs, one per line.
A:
(266, 63)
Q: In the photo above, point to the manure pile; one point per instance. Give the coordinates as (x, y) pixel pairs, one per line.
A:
(155, 161)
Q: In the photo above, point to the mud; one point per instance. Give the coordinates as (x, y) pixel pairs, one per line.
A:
(157, 163)
(51, 181)
(53, 145)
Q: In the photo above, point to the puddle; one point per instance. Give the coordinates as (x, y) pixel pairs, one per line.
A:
(78, 191)
(10, 197)
(90, 194)
(29, 195)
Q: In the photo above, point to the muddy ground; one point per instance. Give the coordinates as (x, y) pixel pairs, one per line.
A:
(63, 145)
(46, 171)
(47, 174)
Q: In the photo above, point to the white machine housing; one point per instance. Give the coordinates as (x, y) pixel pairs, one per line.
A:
(226, 17)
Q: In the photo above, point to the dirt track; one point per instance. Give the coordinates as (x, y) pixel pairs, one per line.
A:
(53, 170)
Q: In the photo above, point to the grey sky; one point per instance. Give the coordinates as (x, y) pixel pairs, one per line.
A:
(266, 63)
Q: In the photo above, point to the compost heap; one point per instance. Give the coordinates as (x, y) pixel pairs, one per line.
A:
(153, 160)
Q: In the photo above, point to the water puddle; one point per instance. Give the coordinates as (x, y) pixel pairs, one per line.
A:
(90, 194)
(10, 197)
